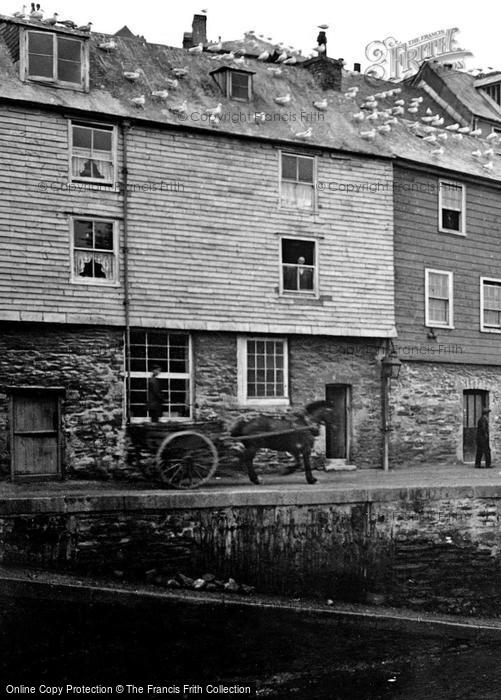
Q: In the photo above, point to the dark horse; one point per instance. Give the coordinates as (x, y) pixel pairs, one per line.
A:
(298, 443)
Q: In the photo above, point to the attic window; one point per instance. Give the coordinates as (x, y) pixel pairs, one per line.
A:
(54, 58)
(235, 84)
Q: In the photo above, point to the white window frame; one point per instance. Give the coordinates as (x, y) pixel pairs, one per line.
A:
(243, 399)
(434, 324)
(281, 204)
(313, 293)
(82, 85)
(483, 327)
(441, 229)
(94, 281)
(169, 375)
(92, 125)
(229, 78)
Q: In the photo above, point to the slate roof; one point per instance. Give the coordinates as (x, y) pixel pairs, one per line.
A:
(110, 94)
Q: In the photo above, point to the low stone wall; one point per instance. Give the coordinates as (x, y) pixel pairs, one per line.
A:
(430, 550)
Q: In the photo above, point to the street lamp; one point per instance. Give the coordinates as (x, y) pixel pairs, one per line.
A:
(390, 369)
(391, 364)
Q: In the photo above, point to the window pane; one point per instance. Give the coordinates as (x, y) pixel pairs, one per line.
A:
(439, 311)
(289, 167)
(102, 140)
(138, 337)
(451, 220)
(305, 169)
(103, 232)
(293, 250)
(68, 49)
(40, 43)
(41, 66)
(83, 234)
(82, 137)
(69, 72)
(452, 196)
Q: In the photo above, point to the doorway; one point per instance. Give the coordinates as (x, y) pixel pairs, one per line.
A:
(474, 400)
(337, 433)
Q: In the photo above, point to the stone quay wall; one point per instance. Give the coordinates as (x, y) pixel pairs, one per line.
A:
(430, 549)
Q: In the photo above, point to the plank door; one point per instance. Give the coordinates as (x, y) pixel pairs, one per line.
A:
(35, 431)
(473, 402)
(337, 432)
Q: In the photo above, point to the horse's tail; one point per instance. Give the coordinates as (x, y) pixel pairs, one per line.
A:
(237, 429)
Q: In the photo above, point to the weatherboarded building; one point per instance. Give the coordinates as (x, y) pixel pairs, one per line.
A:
(139, 232)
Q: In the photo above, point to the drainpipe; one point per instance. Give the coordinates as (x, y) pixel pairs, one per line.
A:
(385, 403)
(125, 172)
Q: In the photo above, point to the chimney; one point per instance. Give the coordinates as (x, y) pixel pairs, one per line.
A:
(199, 30)
(357, 67)
(326, 71)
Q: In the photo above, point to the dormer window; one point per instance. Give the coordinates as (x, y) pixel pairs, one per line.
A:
(58, 59)
(235, 84)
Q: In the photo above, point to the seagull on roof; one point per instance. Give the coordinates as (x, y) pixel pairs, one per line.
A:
(239, 61)
(488, 166)
(290, 61)
(398, 110)
(464, 130)
(132, 74)
(110, 45)
(85, 27)
(358, 117)
(488, 153)
(215, 111)
(372, 117)
(51, 21)
(196, 49)
(275, 71)
(384, 129)
(180, 72)
(400, 103)
(438, 151)
(430, 139)
(263, 56)
(323, 26)
(138, 101)
(215, 47)
(452, 127)
(442, 136)
(160, 94)
(179, 109)
(283, 57)
(413, 110)
(457, 137)
(304, 134)
(172, 83)
(20, 14)
(36, 12)
(321, 105)
(320, 48)
(437, 121)
(283, 99)
(476, 132)
(67, 23)
(368, 135)
(477, 153)
(493, 135)
(227, 56)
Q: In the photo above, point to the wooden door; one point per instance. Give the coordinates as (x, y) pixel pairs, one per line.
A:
(473, 402)
(337, 432)
(35, 434)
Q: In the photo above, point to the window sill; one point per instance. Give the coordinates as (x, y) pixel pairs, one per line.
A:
(451, 232)
(265, 403)
(94, 283)
(437, 326)
(490, 330)
(90, 181)
(56, 84)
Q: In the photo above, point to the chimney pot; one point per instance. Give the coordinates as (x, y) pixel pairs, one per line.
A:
(357, 67)
(199, 29)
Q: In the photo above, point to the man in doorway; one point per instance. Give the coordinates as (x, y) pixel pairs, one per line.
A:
(155, 399)
(483, 447)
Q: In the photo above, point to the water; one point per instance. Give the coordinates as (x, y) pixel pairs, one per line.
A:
(289, 655)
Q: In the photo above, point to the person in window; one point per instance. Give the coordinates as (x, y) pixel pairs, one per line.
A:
(155, 399)
(305, 275)
(483, 447)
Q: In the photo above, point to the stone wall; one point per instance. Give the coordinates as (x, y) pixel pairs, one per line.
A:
(88, 362)
(427, 411)
(426, 551)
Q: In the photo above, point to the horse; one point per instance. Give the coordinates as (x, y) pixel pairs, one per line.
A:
(298, 443)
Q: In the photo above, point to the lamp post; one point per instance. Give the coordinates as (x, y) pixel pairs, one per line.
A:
(390, 369)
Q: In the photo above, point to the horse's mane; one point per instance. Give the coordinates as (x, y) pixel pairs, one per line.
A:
(315, 406)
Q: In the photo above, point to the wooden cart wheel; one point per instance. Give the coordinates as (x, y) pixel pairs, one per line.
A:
(186, 460)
